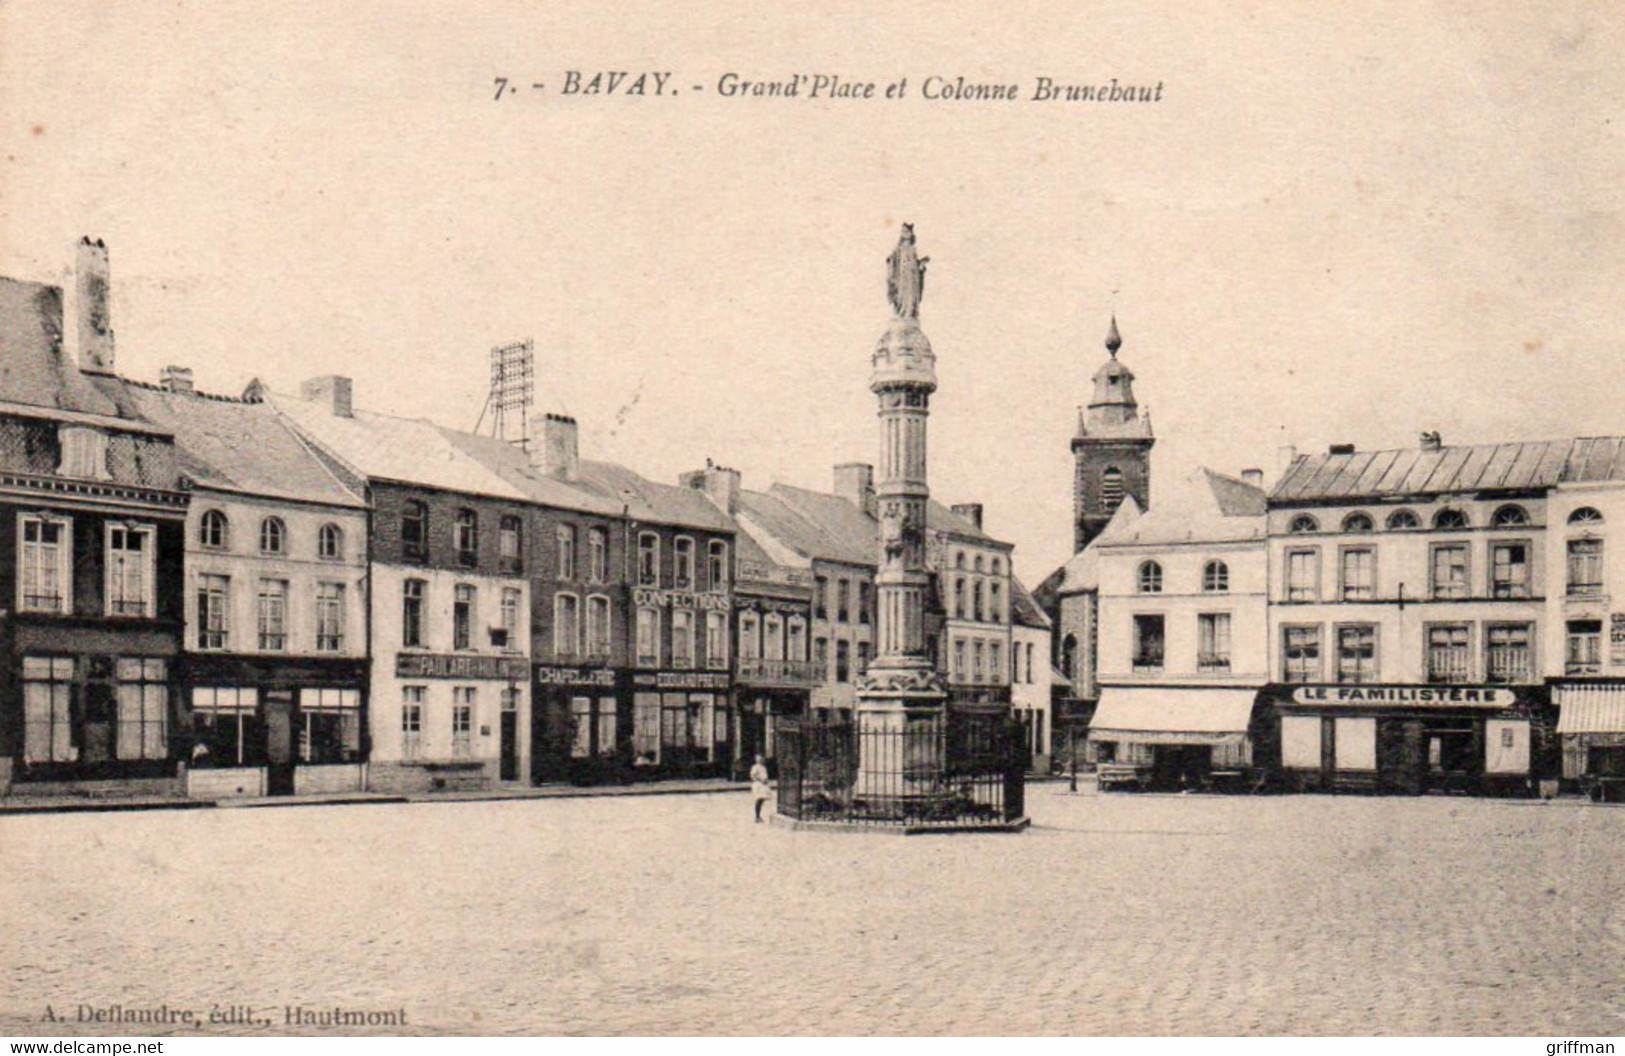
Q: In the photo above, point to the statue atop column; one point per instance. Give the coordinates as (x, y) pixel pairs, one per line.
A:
(906, 276)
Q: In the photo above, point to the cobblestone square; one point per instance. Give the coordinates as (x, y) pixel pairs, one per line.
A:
(1115, 914)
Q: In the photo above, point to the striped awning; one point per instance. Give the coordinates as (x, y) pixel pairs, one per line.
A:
(1591, 708)
(1151, 715)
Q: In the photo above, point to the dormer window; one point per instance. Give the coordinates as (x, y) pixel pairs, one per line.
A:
(84, 452)
(1449, 520)
(1510, 516)
(1357, 522)
(1303, 524)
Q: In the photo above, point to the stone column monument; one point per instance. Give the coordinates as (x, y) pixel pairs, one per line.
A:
(901, 694)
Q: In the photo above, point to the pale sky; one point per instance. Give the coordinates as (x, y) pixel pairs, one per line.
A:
(1333, 228)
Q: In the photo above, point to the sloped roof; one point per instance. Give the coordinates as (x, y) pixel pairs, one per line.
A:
(1208, 507)
(1023, 609)
(943, 519)
(236, 446)
(646, 500)
(1474, 467)
(845, 533)
(513, 465)
(388, 448)
(1082, 571)
(776, 515)
(35, 369)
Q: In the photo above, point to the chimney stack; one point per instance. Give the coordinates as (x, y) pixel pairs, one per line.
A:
(95, 322)
(971, 511)
(178, 379)
(1285, 455)
(1431, 441)
(720, 484)
(555, 447)
(855, 482)
(1253, 476)
(331, 390)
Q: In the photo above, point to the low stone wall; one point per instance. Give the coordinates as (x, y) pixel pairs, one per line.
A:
(334, 777)
(132, 788)
(416, 779)
(225, 782)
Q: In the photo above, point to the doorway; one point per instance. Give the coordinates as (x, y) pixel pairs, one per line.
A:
(279, 761)
(508, 768)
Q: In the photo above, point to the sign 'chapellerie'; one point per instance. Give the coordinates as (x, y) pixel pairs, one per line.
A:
(1424, 696)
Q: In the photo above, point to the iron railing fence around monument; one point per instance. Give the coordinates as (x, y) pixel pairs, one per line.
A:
(956, 769)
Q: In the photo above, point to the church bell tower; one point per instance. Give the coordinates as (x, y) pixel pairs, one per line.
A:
(1112, 448)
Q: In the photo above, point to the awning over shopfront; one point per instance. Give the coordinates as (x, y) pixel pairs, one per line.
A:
(1591, 709)
(1151, 715)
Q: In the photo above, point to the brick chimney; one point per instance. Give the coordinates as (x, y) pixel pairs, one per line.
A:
(555, 447)
(332, 391)
(1285, 455)
(971, 511)
(720, 484)
(1253, 476)
(91, 281)
(855, 482)
(177, 379)
(1431, 441)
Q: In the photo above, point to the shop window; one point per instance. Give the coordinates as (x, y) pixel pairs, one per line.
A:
(1357, 653)
(214, 531)
(648, 560)
(226, 723)
(1215, 577)
(1213, 642)
(213, 611)
(1358, 573)
(272, 610)
(1449, 653)
(329, 725)
(45, 563)
(273, 536)
(683, 563)
(594, 726)
(1510, 516)
(1302, 575)
(1148, 643)
(1149, 578)
(462, 722)
(1355, 741)
(414, 531)
(465, 538)
(1300, 742)
(330, 543)
(48, 690)
(414, 594)
(1585, 567)
(1403, 521)
(1509, 570)
(1583, 653)
(1449, 579)
(1300, 652)
(646, 729)
(648, 628)
(131, 567)
(462, 616)
(412, 722)
(1508, 652)
(329, 617)
(510, 540)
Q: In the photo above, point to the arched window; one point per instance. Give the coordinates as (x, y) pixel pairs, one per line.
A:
(273, 536)
(330, 542)
(1402, 520)
(1111, 489)
(1585, 515)
(1150, 580)
(959, 597)
(716, 555)
(1357, 522)
(1510, 516)
(976, 600)
(996, 568)
(977, 564)
(214, 531)
(1447, 520)
(959, 559)
(1303, 524)
(597, 555)
(1069, 656)
(1216, 577)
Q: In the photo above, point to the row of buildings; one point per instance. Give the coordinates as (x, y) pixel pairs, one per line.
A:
(1432, 618)
(279, 593)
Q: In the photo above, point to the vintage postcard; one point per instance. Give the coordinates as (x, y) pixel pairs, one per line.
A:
(811, 519)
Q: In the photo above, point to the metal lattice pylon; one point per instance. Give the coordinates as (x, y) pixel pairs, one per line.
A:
(513, 381)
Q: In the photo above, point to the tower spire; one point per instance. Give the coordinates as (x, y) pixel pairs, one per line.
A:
(1114, 340)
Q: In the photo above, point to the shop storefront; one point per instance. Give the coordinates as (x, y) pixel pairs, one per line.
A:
(578, 725)
(680, 723)
(263, 726)
(1172, 738)
(1410, 739)
(1591, 730)
(458, 723)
